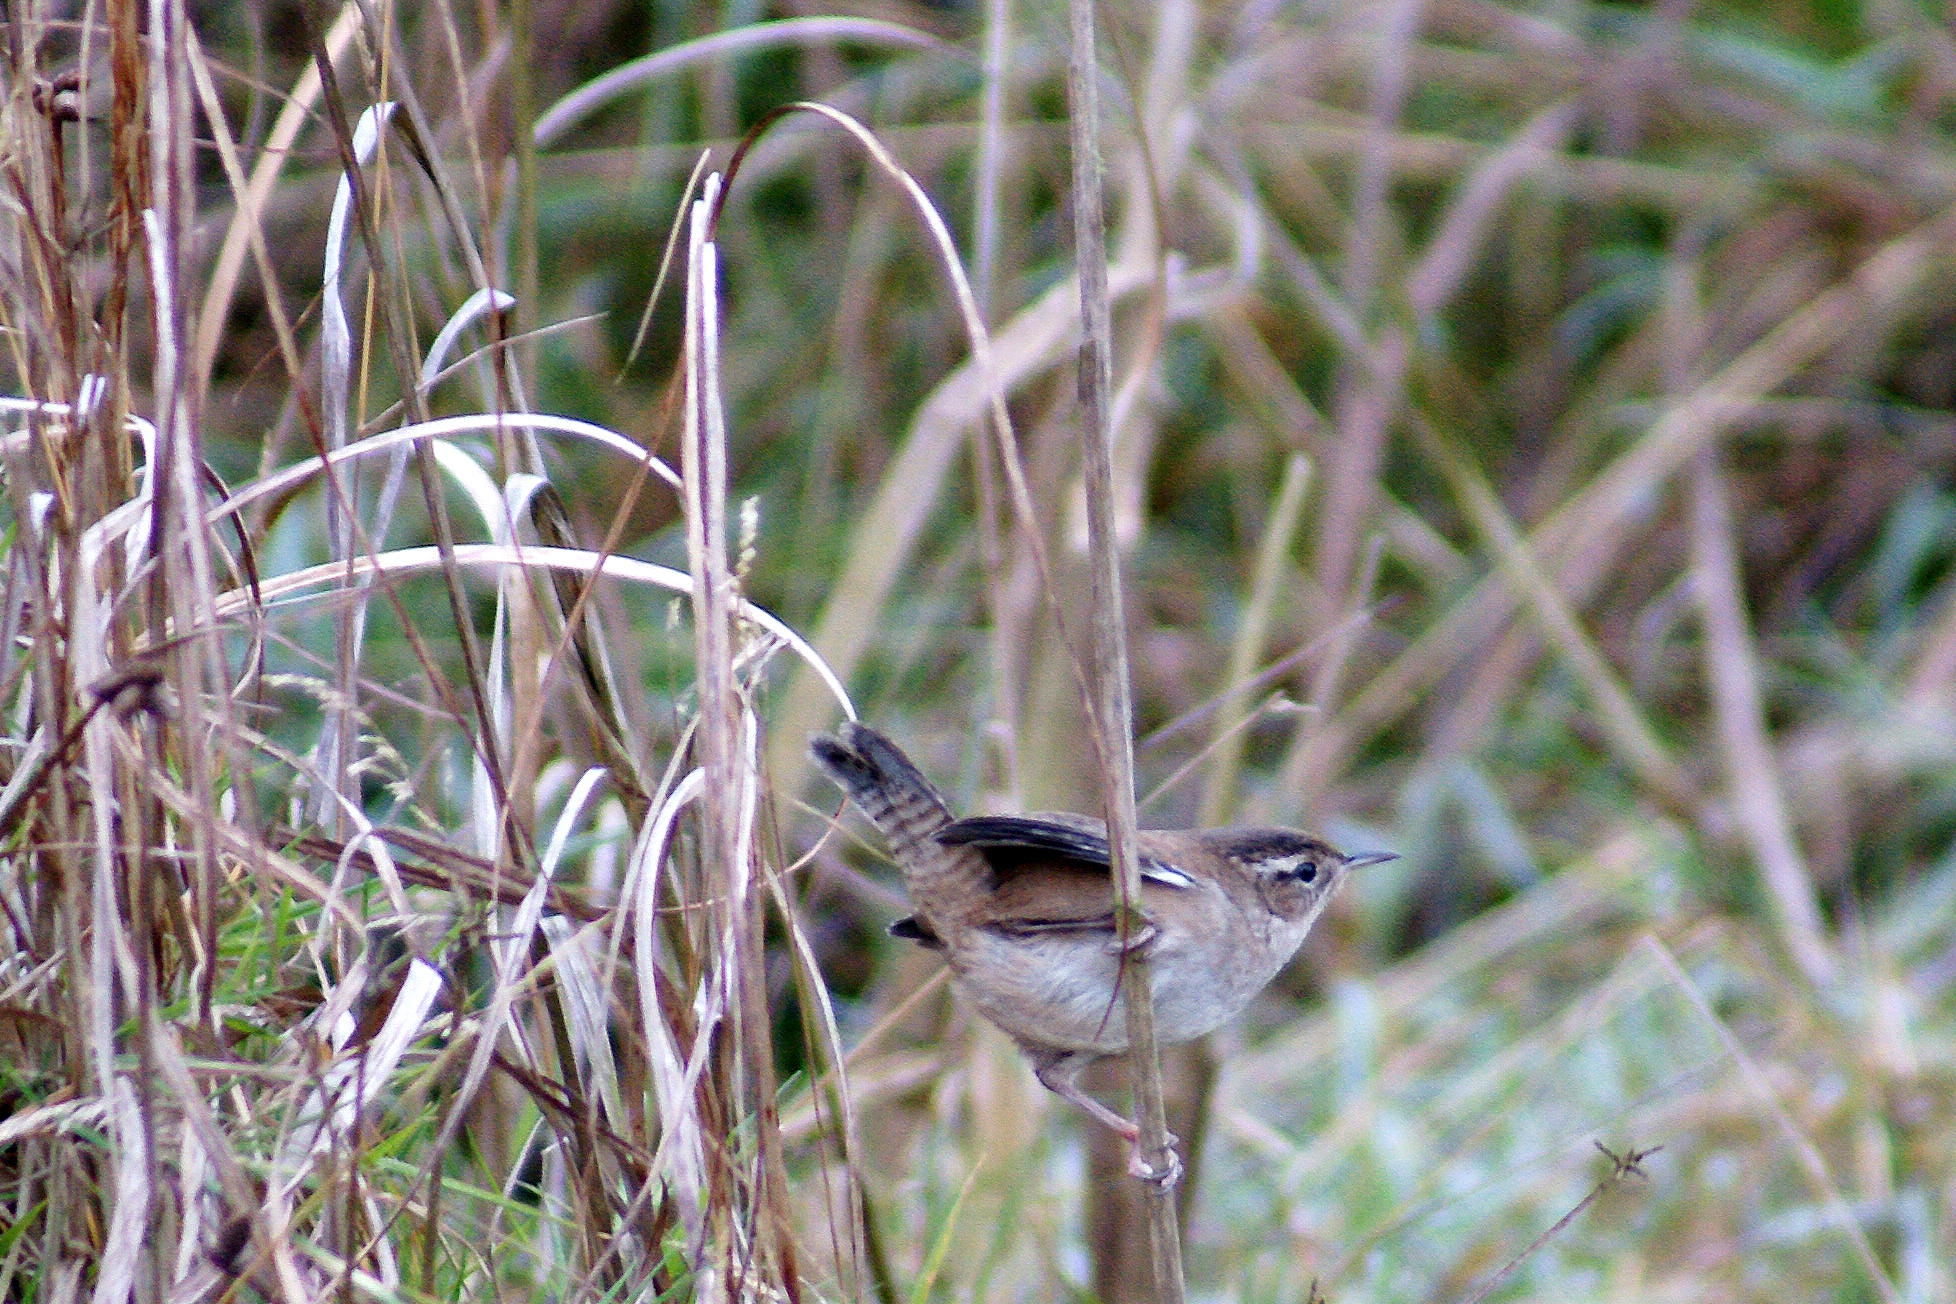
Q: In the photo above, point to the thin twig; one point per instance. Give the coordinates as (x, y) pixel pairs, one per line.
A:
(1625, 1165)
(1111, 709)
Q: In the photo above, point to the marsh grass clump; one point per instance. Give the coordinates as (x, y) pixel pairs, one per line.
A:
(438, 509)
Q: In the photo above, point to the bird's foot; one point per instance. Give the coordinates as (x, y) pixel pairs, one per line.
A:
(1162, 1176)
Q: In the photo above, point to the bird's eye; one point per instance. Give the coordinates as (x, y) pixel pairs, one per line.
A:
(1301, 868)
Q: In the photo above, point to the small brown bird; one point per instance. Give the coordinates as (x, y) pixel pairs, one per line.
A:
(1022, 907)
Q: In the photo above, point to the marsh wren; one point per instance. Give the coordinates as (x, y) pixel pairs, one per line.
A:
(1022, 908)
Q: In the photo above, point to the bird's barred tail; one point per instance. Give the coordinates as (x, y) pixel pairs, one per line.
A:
(908, 811)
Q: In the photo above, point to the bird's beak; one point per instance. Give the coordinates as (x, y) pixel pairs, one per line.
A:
(1364, 858)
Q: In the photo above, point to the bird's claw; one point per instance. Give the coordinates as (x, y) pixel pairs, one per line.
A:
(1162, 1178)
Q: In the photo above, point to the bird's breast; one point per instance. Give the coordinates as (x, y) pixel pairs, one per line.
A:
(1063, 990)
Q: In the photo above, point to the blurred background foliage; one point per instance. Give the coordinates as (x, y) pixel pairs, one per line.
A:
(1537, 451)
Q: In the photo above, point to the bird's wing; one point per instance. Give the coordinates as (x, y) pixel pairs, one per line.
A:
(1050, 844)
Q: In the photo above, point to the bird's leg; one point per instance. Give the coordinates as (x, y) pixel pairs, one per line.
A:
(1060, 1074)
